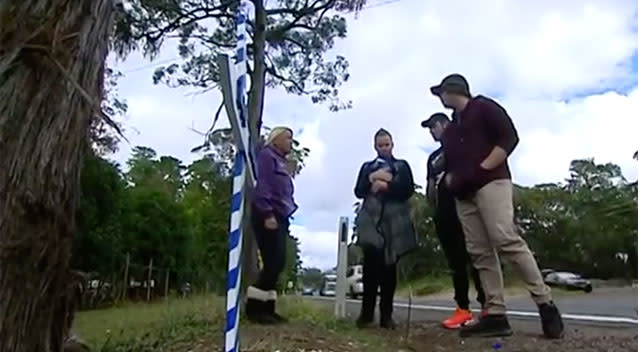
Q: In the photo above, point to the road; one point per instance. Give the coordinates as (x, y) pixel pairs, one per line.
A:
(613, 306)
(613, 302)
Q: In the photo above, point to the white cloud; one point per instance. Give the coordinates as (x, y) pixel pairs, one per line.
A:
(531, 56)
(318, 248)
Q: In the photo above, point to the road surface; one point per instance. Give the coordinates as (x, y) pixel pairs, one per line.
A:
(613, 306)
(614, 302)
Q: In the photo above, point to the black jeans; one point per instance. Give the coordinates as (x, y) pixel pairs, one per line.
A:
(272, 247)
(450, 233)
(377, 274)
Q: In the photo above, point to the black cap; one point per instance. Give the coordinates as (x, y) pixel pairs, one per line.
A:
(454, 83)
(432, 120)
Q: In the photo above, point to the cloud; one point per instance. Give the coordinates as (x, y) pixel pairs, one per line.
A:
(318, 248)
(567, 72)
(600, 126)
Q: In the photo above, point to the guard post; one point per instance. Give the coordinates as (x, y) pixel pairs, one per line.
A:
(342, 265)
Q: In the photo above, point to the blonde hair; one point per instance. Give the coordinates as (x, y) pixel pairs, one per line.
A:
(275, 133)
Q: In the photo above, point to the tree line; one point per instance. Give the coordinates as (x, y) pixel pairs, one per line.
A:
(161, 210)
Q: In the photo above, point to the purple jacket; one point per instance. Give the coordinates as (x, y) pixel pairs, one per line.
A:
(274, 192)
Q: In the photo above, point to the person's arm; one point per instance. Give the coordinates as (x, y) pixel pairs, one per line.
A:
(505, 136)
(362, 188)
(430, 189)
(264, 189)
(402, 186)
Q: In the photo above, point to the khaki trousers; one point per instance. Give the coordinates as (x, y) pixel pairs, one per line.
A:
(488, 224)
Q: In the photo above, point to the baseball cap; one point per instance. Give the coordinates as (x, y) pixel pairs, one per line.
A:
(432, 120)
(454, 83)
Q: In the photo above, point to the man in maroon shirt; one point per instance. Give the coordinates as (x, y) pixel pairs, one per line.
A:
(476, 147)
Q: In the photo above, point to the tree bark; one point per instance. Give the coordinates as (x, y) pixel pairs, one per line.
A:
(52, 55)
(255, 110)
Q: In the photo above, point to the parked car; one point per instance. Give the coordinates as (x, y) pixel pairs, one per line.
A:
(308, 291)
(354, 280)
(568, 280)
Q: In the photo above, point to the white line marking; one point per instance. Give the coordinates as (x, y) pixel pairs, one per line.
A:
(517, 313)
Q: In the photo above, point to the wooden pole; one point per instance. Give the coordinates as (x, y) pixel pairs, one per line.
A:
(148, 281)
(126, 281)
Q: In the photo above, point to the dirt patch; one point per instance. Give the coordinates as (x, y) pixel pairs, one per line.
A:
(429, 337)
(305, 337)
(292, 337)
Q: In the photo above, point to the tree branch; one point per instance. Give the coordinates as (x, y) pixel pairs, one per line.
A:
(280, 31)
(207, 39)
(303, 47)
(304, 11)
(271, 70)
(177, 22)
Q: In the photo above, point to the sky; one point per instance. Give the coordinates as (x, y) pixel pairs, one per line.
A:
(566, 72)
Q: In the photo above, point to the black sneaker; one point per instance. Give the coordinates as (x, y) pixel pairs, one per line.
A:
(364, 322)
(553, 326)
(488, 326)
(256, 313)
(270, 310)
(388, 324)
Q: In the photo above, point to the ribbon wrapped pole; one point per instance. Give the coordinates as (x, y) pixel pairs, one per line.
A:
(234, 82)
(234, 256)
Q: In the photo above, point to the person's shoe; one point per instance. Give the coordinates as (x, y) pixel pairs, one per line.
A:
(364, 322)
(270, 310)
(553, 326)
(488, 326)
(389, 324)
(459, 319)
(256, 312)
(483, 313)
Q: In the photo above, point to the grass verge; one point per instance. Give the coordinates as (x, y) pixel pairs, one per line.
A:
(149, 327)
(197, 325)
(427, 285)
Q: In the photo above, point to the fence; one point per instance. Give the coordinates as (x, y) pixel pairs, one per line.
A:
(141, 282)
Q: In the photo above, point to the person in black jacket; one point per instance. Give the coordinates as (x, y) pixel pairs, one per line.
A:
(384, 227)
(449, 229)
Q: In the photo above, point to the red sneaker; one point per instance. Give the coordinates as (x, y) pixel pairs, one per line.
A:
(460, 318)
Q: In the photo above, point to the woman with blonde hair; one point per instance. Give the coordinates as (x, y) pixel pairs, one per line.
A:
(271, 209)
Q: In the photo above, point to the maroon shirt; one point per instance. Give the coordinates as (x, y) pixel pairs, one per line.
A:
(470, 138)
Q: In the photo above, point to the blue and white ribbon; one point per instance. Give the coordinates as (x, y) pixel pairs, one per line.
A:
(242, 158)
(234, 257)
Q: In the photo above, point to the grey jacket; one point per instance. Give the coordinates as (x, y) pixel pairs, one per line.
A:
(384, 221)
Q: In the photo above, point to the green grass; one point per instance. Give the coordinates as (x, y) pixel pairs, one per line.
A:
(182, 323)
(426, 286)
(143, 327)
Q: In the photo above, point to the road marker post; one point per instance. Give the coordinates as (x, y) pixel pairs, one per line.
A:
(342, 265)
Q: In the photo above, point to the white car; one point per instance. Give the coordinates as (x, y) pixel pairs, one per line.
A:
(354, 280)
(568, 280)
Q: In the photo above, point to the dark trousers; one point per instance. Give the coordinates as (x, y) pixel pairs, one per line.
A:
(450, 233)
(272, 247)
(376, 274)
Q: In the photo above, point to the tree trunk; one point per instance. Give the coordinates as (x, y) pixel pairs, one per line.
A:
(52, 55)
(255, 110)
